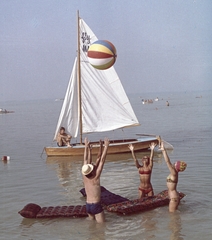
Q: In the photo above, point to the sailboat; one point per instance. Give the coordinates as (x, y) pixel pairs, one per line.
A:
(95, 101)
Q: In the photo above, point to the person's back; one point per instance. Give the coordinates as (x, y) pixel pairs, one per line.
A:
(91, 178)
(92, 188)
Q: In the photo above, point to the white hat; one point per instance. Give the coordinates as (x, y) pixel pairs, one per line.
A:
(87, 168)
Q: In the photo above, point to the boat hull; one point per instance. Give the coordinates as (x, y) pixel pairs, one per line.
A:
(115, 147)
(5, 112)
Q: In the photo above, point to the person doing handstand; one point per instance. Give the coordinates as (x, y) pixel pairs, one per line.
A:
(91, 177)
(145, 171)
(172, 179)
(63, 139)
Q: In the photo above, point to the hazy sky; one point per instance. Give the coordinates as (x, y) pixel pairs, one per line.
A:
(162, 45)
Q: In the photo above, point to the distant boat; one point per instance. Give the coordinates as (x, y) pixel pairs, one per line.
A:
(146, 101)
(59, 99)
(95, 101)
(5, 111)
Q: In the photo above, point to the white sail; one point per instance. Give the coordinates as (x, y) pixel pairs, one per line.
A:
(105, 105)
(69, 117)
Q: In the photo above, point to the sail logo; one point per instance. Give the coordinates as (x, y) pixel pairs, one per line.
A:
(86, 41)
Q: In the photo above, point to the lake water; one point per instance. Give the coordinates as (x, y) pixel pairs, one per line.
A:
(31, 177)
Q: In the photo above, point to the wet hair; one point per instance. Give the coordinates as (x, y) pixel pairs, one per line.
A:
(62, 128)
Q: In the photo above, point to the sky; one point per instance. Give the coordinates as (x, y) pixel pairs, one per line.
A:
(162, 45)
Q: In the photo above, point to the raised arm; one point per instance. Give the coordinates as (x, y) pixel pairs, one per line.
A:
(131, 147)
(167, 159)
(86, 151)
(159, 141)
(103, 157)
(99, 153)
(152, 147)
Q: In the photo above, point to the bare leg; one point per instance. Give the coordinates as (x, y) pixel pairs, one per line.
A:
(90, 217)
(150, 194)
(141, 194)
(100, 217)
(60, 142)
(66, 141)
(69, 140)
(173, 204)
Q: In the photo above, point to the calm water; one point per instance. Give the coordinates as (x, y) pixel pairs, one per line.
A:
(30, 177)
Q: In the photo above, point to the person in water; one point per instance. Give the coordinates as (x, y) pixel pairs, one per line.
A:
(145, 171)
(63, 139)
(91, 177)
(172, 179)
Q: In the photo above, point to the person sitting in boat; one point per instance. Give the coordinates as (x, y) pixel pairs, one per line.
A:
(145, 171)
(63, 139)
(172, 179)
(91, 177)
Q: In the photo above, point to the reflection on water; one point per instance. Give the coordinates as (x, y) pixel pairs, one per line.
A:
(95, 231)
(69, 176)
(149, 224)
(63, 173)
(175, 226)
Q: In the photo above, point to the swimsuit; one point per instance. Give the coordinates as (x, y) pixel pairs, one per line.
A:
(145, 172)
(146, 191)
(170, 180)
(94, 208)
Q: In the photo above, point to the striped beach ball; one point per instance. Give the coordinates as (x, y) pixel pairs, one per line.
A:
(102, 54)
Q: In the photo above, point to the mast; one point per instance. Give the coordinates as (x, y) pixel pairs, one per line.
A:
(79, 76)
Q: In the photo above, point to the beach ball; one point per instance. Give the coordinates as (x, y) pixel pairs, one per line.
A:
(102, 54)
